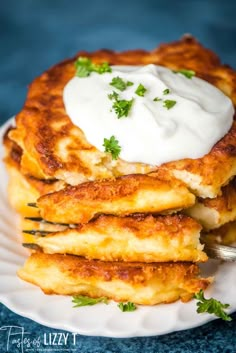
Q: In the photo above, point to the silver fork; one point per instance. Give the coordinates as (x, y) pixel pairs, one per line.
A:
(218, 251)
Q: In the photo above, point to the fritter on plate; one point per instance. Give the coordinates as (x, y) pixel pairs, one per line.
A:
(138, 238)
(140, 283)
(23, 189)
(121, 196)
(53, 148)
(106, 209)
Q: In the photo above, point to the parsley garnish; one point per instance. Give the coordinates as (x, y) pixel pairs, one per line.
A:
(120, 84)
(166, 91)
(121, 106)
(83, 300)
(84, 67)
(156, 99)
(169, 104)
(187, 73)
(112, 146)
(211, 306)
(127, 306)
(113, 95)
(140, 91)
(102, 68)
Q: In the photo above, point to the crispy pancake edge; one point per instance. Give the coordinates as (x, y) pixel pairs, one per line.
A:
(137, 238)
(214, 213)
(39, 138)
(140, 283)
(121, 196)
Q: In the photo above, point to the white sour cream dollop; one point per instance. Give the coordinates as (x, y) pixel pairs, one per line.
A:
(151, 133)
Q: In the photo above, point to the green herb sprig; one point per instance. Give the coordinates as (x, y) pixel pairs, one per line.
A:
(129, 306)
(121, 106)
(120, 84)
(84, 66)
(187, 73)
(157, 99)
(83, 300)
(168, 104)
(112, 146)
(114, 95)
(140, 91)
(211, 306)
(166, 91)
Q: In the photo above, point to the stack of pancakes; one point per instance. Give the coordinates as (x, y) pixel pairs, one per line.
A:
(99, 227)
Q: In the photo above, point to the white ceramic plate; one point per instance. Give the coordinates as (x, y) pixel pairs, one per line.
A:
(99, 320)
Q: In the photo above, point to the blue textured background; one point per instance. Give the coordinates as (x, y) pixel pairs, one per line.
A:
(35, 34)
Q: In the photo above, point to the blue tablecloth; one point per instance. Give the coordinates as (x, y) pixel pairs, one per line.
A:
(35, 34)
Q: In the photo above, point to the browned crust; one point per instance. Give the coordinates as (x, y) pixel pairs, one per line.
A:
(120, 281)
(137, 238)
(226, 202)
(13, 152)
(121, 196)
(213, 213)
(12, 159)
(216, 167)
(44, 110)
(145, 226)
(136, 272)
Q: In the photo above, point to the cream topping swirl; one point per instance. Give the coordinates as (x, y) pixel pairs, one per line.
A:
(151, 133)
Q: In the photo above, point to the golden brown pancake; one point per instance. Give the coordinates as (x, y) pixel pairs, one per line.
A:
(53, 148)
(50, 160)
(20, 193)
(122, 196)
(213, 213)
(23, 189)
(139, 238)
(138, 192)
(139, 283)
(184, 246)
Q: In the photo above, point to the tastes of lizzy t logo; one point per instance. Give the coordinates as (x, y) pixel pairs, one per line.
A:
(17, 339)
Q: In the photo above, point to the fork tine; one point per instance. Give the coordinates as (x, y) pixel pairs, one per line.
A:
(221, 252)
(35, 219)
(31, 246)
(35, 232)
(41, 220)
(32, 204)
